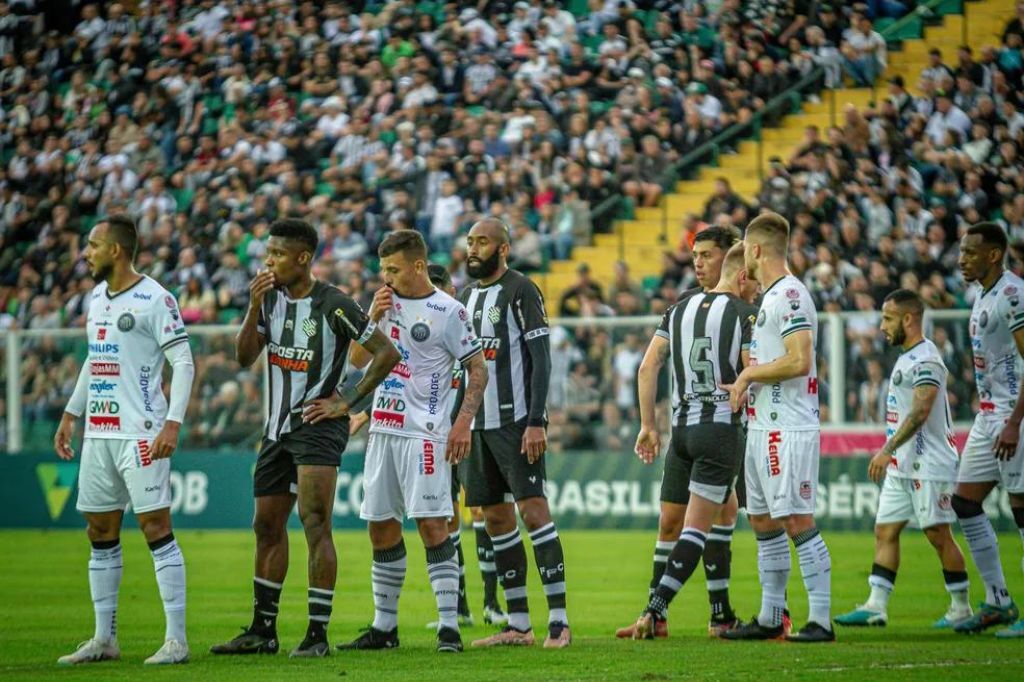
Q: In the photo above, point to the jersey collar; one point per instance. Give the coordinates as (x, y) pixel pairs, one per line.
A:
(994, 284)
(774, 284)
(139, 281)
(495, 282)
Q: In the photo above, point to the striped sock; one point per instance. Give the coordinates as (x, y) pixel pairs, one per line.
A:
(682, 562)
(547, 550)
(510, 560)
(773, 565)
(319, 601)
(266, 597)
(169, 565)
(984, 546)
(463, 602)
(388, 575)
(661, 551)
(816, 568)
(105, 568)
(443, 569)
(485, 558)
(717, 570)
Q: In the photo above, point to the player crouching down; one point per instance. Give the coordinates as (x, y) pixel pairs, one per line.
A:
(919, 464)
(411, 437)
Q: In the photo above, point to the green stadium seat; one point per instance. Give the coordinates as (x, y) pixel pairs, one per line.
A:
(579, 8)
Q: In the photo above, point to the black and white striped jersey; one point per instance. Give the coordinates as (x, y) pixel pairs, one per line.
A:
(706, 333)
(307, 348)
(505, 315)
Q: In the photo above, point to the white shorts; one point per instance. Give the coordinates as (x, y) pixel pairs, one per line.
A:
(116, 472)
(405, 477)
(978, 463)
(782, 472)
(929, 503)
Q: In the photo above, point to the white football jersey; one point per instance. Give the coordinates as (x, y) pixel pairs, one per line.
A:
(930, 454)
(791, 405)
(128, 334)
(431, 333)
(996, 315)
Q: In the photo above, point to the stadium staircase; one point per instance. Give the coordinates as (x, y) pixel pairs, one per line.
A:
(641, 241)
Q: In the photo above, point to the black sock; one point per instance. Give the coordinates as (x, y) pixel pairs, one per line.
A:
(266, 597)
(485, 558)
(547, 550)
(463, 602)
(717, 562)
(510, 560)
(319, 601)
(661, 551)
(682, 562)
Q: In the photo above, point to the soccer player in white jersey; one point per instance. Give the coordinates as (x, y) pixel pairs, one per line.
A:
(412, 435)
(992, 454)
(130, 432)
(918, 462)
(783, 438)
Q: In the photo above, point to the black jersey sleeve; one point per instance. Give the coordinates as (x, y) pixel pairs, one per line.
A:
(347, 318)
(532, 318)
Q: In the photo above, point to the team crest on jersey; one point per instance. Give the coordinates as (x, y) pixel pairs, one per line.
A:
(897, 378)
(493, 314)
(126, 322)
(171, 305)
(983, 320)
(420, 331)
(309, 327)
(289, 324)
(761, 317)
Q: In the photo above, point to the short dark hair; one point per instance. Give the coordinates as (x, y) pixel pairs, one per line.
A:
(722, 237)
(297, 229)
(907, 300)
(123, 232)
(408, 242)
(991, 234)
(439, 275)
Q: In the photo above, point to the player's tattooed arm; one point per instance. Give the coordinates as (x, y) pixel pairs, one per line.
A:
(920, 407)
(476, 383)
(648, 442)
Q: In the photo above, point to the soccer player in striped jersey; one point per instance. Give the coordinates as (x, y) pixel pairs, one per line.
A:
(130, 433)
(783, 438)
(509, 437)
(307, 327)
(918, 462)
(705, 338)
(993, 453)
(709, 249)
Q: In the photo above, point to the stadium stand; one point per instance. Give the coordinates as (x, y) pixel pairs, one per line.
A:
(602, 132)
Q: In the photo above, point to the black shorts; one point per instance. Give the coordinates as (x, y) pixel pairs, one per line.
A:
(496, 467)
(456, 483)
(704, 458)
(277, 464)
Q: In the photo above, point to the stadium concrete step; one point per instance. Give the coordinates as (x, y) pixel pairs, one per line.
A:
(634, 232)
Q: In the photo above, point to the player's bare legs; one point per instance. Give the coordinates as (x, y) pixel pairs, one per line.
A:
(680, 564)
(998, 607)
(269, 524)
(316, 485)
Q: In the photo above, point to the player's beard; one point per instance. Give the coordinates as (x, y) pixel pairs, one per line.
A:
(898, 337)
(485, 268)
(102, 272)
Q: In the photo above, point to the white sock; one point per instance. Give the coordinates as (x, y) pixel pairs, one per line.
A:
(388, 575)
(816, 567)
(104, 581)
(881, 590)
(981, 539)
(557, 616)
(773, 565)
(520, 620)
(443, 568)
(169, 565)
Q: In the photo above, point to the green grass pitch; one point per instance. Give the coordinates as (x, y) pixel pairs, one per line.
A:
(47, 611)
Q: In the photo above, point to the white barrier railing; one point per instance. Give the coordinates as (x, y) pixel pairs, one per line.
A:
(832, 344)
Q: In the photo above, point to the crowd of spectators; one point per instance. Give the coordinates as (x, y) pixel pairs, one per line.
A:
(207, 119)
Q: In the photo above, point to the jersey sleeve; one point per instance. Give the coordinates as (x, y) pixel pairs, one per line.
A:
(528, 307)
(748, 316)
(1009, 308)
(168, 328)
(459, 338)
(663, 329)
(348, 320)
(927, 373)
(795, 310)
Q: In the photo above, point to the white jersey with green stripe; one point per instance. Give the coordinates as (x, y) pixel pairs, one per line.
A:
(996, 316)
(790, 405)
(930, 454)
